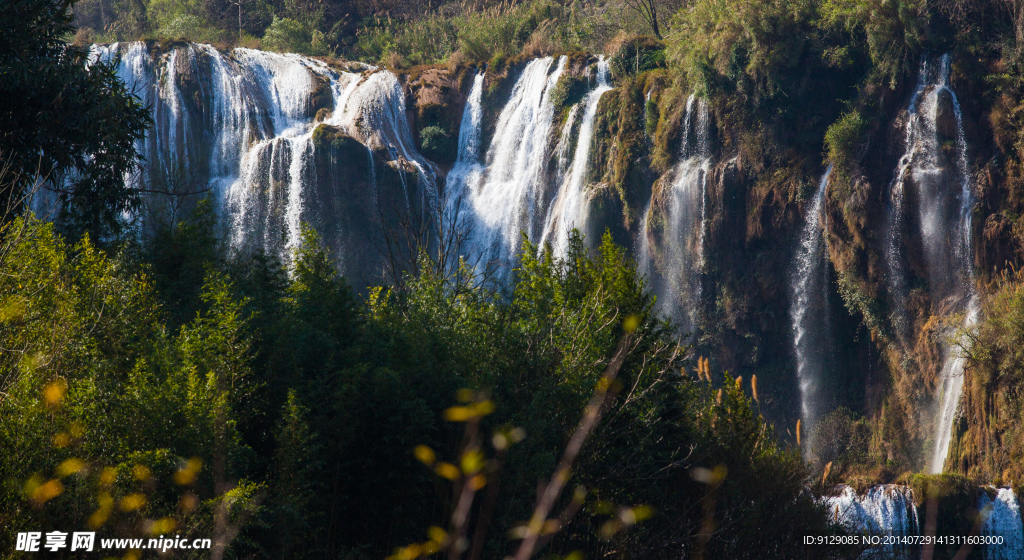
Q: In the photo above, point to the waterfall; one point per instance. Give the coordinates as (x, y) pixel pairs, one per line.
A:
(809, 311)
(240, 124)
(1001, 516)
(889, 510)
(467, 169)
(882, 510)
(676, 272)
(501, 199)
(569, 208)
(944, 217)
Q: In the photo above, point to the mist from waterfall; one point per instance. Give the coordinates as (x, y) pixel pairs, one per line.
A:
(809, 312)
(251, 140)
(942, 193)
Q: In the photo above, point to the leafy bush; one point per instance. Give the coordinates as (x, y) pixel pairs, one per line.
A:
(749, 46)
(893, 29)
(489, 35)
(994, 388)
(635, 55)
(843, 139)
(288, 35)
(437, 144)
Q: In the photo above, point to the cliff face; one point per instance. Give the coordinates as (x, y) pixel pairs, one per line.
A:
(718, 209)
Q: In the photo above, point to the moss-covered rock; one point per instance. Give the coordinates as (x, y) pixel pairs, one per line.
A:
(635, 55)
(327, 136)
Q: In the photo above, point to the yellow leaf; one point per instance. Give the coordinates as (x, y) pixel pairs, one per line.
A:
(70, 467)
(472, 461)
(163, 526)
(48, 491)
(641, 513)
(54, 391)
(425, 455)
(108, 476)
(458, 414)
(132, 502)
(61, 440)
(437, 534)
(483, 408)
(631, 323)
(478, 482)
(448, 470)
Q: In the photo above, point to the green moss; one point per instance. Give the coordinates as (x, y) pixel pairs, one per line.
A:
(327, 136)
(843, 140)
(568, 91)
(321, 97)
(636, 56)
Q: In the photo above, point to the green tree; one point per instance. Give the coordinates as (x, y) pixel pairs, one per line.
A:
(72, 125)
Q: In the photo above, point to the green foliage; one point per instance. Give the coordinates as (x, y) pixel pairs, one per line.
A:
(893, 29)
(842, 439)
(312, 399)
(72, 126)
(103, 406)
(636, 55)
(181, 19)
(437, 144)
(568, 91)
(993, 387)
(289, 35)
(746, 45)
(488, 35)
(843, 140)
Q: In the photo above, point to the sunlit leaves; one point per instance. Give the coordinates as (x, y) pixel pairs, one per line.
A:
(102, 513)
(132, 502)
(425, 455)
(70, 467)
(39, 491)
(54, 392)
(187, 473)
(437, 540)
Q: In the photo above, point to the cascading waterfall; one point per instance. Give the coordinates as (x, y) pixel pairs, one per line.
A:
(569, 208)
(241, 124)
(1001, 516)
(500, 200)
(882, 510)
(809, 311)
(677, 277)
(467, 170)
(944, 216)
(889, 510)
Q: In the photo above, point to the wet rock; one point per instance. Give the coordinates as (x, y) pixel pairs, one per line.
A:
(945, 117)
(321, 97)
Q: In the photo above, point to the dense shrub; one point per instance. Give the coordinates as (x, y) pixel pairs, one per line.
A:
(437, 144)
(288, 35)
(894, 31)
(843, 140)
